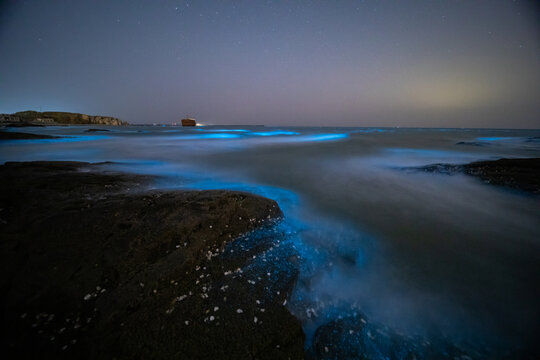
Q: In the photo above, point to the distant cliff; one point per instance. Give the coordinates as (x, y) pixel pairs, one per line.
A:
(55, 117)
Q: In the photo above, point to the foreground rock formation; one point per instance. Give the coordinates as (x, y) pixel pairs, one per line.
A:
(57, 117)
(95, 266)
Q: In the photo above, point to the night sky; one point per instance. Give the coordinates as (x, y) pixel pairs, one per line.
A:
(334, 63)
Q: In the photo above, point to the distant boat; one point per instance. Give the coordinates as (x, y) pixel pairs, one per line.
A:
(189, 122)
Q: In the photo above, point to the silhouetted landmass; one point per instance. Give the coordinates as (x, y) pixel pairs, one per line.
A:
(96, 266)
(521, 174)
(58, 117)
(96, 130)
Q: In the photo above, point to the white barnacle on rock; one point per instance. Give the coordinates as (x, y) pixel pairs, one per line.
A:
(186, 322)
(87, 297)
(255, 319)
(180, 298)
(239, 311)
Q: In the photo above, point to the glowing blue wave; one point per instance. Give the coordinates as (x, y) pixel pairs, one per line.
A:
(322, 137)
(206, 136)
(273, 133)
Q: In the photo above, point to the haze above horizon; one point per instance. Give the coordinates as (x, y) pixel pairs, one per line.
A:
(294, 63)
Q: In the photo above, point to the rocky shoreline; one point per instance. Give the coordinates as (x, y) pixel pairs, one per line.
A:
(11, 135)
(519, 174)
(96, 265)
(36, 118)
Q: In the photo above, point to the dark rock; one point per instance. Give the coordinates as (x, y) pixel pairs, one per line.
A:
(60, 117)
(473, 143)
(95, 266)
(96, 130)
(8, 135)
(520, 174)
(533, 139)
(22, 124)
(354, 337)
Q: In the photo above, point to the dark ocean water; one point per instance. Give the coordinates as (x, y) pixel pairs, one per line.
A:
(421, 253)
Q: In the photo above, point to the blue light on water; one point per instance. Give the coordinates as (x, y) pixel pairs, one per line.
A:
(273, 133)
(206, 136)
(224, 130)
(371, 130)
(322, 137)
(495, 138)
(422, 152)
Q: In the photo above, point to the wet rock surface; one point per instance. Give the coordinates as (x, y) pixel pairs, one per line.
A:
(95, 265)
(521, 174)
(5, 135)
(354, 337)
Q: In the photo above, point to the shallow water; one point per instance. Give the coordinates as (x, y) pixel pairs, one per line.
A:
(425, 254)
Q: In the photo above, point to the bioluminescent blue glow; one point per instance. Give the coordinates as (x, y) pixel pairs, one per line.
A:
(223, 130)
(424, 152)
(321, 137)
(495, 138)
(206, 136)
(370, 130)
(275, 133)
(368, 239)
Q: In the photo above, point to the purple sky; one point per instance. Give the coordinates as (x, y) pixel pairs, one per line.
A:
(334, 63)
